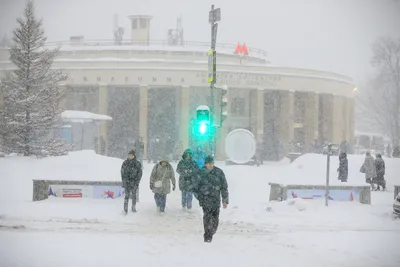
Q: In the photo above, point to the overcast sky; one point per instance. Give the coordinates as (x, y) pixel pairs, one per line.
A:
(332, 35)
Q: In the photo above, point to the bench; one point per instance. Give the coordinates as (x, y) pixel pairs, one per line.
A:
(280, 192)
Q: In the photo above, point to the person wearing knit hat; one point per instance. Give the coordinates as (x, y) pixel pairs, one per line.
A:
(131, 174)
(187, 169)
(210, 186)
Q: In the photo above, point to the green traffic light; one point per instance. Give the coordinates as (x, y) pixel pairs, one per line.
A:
(203, 128)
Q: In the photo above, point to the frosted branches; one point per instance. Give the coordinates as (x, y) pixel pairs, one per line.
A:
(31, 93)
(381, 101)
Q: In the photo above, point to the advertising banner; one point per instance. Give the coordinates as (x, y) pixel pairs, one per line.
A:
(104, 191)
(71, 191)
(334, 194)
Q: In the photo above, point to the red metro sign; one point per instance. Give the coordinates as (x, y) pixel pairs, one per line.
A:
(241, 50)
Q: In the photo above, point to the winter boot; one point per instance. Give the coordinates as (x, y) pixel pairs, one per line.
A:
(207, 239)
(134, 208)
(126, 208)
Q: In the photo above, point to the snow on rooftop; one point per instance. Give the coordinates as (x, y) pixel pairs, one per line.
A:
(83, 116)
(192, 47)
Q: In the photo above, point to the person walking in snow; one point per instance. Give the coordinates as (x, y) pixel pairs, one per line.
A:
(187, 169)
(139, 149)
(380, 172)
(161, 178)
(343, 167)
(368, 168)
(389, 150)
(208, 188)
(131, 174)
(199, 156)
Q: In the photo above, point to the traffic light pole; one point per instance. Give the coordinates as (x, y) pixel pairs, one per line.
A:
(214, 17)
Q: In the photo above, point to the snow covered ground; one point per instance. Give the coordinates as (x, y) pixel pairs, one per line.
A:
(252, 232)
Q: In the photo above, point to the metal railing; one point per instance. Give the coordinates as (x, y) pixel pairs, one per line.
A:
(162, 44)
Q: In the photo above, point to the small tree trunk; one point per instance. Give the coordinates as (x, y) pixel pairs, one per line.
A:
(27, 135)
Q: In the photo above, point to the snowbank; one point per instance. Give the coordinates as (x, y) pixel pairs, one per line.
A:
(311, 169)
(17, 173)
(250, 217)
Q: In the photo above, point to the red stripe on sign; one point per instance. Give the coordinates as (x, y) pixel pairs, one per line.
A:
(72, 195)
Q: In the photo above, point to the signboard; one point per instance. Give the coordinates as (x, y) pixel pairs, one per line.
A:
(210, 75)
(86, 191)
(104, 191)
(334, 194)
(70, 191)
(243, 79)
(241, 50)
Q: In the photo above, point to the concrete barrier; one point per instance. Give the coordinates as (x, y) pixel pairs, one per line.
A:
(41, 188)
(280, 192)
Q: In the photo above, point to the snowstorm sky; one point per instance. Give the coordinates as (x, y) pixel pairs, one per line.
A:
(332, 35)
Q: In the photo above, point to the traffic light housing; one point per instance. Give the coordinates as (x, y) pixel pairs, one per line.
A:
(224, 103)
(202, 125)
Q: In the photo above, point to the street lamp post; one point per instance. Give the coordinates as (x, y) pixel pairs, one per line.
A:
(328, 165)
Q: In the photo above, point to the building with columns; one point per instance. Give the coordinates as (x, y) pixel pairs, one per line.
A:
(151, 90)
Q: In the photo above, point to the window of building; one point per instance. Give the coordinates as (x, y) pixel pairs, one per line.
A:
(238, 105)
(83, 98)
(134, 24)
(143, 23)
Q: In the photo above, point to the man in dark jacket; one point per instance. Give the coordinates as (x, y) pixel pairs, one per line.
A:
(187, 169)
(131, 174)
(380, 172)
(210, 185)
(343, 167)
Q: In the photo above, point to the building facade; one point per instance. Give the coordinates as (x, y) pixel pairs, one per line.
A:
(151, 90)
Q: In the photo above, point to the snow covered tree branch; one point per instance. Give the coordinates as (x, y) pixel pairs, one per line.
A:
(381, 101)
(30, 93)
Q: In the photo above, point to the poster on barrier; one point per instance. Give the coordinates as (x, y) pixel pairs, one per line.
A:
(108, 191)
(334, 194)
(71, 191)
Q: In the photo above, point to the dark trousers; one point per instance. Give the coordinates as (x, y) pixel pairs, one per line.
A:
(380, 181)
(210, 221)
(128, 191)
(187, 198)
(161, 200)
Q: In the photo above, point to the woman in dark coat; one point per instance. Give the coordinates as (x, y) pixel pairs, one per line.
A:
(343, 167)
(380, 172)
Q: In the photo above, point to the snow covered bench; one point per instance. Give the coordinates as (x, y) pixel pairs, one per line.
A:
(42, 189)
(281, 192)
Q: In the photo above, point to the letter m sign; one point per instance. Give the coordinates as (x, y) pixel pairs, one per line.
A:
(241, 50)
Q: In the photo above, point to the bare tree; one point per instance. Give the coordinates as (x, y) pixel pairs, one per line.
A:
(381, 101)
